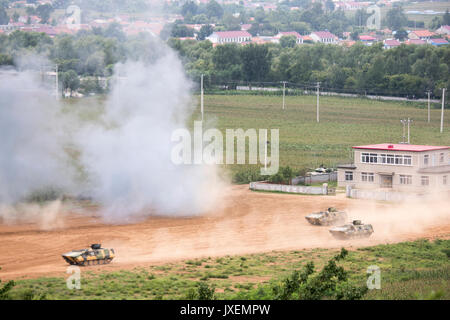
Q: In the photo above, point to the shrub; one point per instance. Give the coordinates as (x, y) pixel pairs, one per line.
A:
(5, 290)
(203, 292)
(330, 282)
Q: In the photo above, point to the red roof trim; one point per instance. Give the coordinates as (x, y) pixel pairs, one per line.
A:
(401, 147)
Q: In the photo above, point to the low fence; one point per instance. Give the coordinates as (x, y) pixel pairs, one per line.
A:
(316, 178)
(379, 195)
(289, 188)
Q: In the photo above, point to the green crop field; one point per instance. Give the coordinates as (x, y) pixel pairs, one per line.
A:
(304, 143)
(409, 270)
(344, 122)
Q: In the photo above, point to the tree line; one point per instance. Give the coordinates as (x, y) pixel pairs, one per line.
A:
(408, 70)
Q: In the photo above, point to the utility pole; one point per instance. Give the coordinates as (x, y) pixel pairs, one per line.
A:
(56, 83)
(201, 95)
(265, 154)
(284, 93)
(318, 87)
(409, 122)
(442, 110)
(406, 122)
(428, 92)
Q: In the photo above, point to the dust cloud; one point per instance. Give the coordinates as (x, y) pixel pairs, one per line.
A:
(125, 157)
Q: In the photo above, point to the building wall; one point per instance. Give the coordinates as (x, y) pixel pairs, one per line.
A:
(435, 179)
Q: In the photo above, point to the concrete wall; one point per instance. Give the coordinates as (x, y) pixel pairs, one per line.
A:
(288, 188)
(318, 178)
(380, 195)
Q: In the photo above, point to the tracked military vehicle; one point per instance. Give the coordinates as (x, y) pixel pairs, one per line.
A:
(326, 218)
(350, 231)
(92, 256)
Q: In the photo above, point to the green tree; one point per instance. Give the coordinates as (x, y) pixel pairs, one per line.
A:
(15, 16)
(181, 31)
(205, 31)
(446, 18)
(288, 41)
(189, 9)
(354, 35)
(396, 19)
(401, 34)
(4, 19)
(214, 9)
(70, 80)
(43, 11)
(256, 60)
(226, 61)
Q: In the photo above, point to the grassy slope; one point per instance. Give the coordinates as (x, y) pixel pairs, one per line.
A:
(409, 270)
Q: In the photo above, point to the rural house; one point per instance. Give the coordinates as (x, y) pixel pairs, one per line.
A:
(221, 37)
(424, 35)
(323, 37)
(402, 167)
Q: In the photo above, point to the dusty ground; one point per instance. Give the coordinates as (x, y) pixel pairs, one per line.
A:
(248, 222)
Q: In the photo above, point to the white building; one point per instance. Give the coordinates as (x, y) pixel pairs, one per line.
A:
(324, 37)
(402, 167)
(222, 37)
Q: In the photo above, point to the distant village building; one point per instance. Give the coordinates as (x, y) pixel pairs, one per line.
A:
(421, 34)
(401, 167)
(222, 37)
(368, 40)
(438, 42)
(443, 30)
(415, 41)
(324, 37)
(391, 43)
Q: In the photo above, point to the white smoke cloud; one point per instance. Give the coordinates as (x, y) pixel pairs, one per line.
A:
(32, 156)
(129, 160)
(126, 155)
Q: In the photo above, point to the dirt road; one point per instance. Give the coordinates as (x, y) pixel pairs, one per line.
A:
(248, 222)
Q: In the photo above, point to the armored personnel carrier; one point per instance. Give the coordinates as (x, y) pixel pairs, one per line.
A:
(350, 231)
(326, 218)
(90, 256)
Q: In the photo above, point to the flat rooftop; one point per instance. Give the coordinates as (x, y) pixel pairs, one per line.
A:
(401, 147)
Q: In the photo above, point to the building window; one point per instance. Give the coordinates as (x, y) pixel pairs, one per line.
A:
(382, 158)
(398, 159)
(407, 160)
(367, 177)
(405, 179)
(425, 180)
(348, 175)
(369, 158)
(444, 180)
(365, 158)
(426, 159)
(441, 157)
(390, 159)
